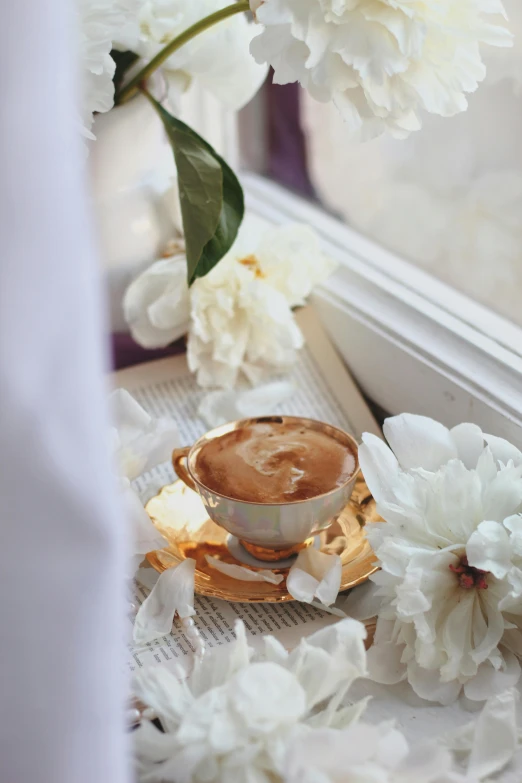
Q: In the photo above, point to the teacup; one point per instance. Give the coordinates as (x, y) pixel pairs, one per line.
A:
(269, 531)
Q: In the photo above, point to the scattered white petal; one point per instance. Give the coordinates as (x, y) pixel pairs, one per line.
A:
(173, 593)
(140, 441)
(224, 405)
(328, 609)
(315, 575)
(244, 574)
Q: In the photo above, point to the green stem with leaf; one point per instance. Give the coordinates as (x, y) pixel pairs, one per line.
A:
(133, 86)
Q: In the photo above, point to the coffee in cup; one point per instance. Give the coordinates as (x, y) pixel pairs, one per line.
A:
(274, 462)
(273, 481)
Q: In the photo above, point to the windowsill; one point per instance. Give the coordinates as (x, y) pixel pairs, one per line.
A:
(412, 342)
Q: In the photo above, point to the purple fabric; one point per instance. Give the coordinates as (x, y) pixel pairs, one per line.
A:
(126, 353)
(286, 142)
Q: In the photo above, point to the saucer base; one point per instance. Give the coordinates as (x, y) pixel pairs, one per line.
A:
(240, 552)
(180, 516)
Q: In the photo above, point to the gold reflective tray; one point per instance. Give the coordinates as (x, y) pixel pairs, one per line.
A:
(180, 516)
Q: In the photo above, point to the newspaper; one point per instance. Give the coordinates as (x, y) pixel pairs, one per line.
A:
(323, 390)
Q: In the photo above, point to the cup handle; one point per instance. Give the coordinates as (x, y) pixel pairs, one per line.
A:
(179, 463)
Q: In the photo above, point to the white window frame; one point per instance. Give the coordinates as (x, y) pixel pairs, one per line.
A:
(412, 342)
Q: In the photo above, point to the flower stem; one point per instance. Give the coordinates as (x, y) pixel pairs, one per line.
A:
(132, 87)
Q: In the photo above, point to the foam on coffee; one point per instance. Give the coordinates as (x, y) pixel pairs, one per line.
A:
(274, 462)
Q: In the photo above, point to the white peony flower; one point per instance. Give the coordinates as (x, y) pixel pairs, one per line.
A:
(219, 58)
(291, 260)
(380, 61)
(235, 717)
(98, 23)
(156, 305)
(241, 322)
(451, 558)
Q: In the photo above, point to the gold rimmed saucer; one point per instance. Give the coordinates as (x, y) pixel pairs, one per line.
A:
(180, 516)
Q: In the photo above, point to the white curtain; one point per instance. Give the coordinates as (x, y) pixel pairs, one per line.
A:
(62, 683)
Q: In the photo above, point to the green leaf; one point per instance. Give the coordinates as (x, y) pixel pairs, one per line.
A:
(212, 203)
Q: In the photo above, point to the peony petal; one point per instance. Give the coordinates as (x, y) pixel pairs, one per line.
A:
(141, 441)
(502, 495)
(430, 763)
(469, 441)
(146, 303)
(221, 663)
(224, 65)
(327, 662)
(145, 537)
(173, 593)
(503, 451)
(419, 442)
(315, 575)
(221, 406)
(487, 682)
(244, 574)
(293, 263)
(363, 602)
(384, 663)
(495, 737)
(489, 549)
(427, 684)
(162, 690)
(379, 466)
(514, 525)
(129, 418)
(266, 696)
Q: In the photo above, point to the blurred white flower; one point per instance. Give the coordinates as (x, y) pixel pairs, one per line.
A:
(98, 23)
(219, 58)
(369, 754)
(139, 443)
(254, 5)
(451, 558)
(235, 717)
(381, 63)
(156, 305)
(492, 740)
(241, 321)
(277, 717)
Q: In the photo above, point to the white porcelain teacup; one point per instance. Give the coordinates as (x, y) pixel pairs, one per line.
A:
(269, 531)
